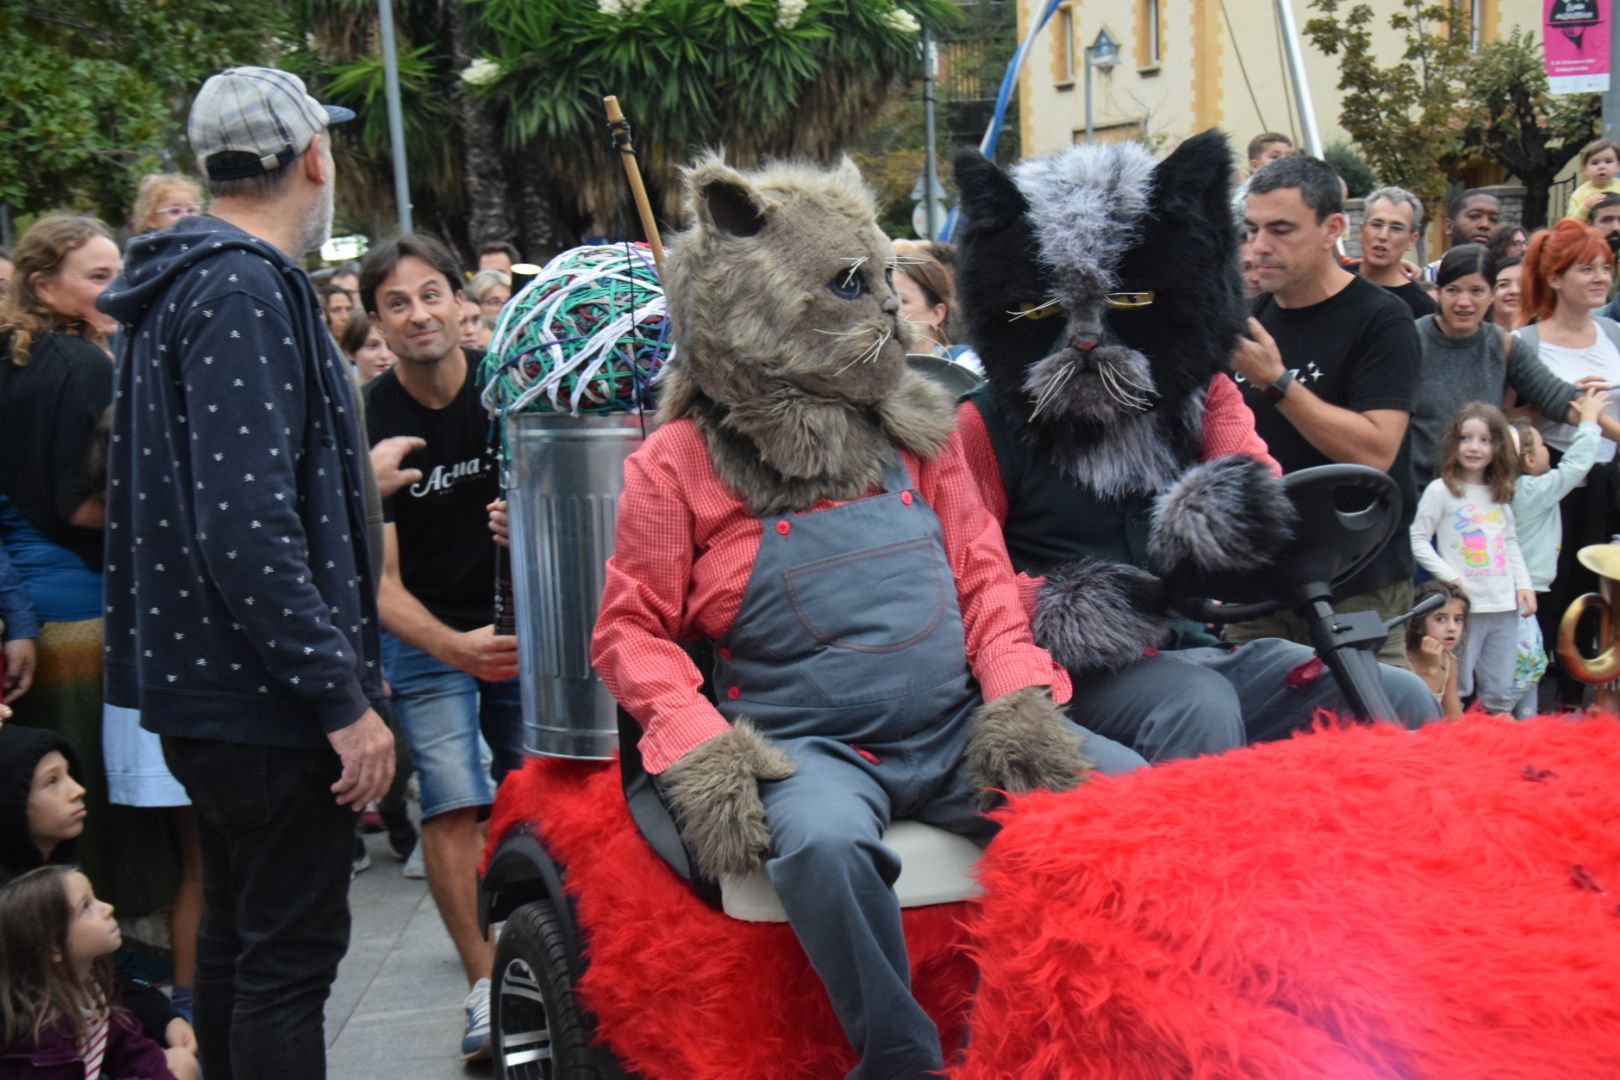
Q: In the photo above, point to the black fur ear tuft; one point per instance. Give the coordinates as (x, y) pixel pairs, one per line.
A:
(989, 197)
(732, 208)
(1201, 164)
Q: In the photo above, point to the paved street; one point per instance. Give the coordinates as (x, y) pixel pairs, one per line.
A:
(395, 1013)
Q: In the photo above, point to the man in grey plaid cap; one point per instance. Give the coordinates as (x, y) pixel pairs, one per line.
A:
(241, 601)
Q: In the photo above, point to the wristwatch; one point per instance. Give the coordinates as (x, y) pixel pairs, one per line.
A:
(1279, 389)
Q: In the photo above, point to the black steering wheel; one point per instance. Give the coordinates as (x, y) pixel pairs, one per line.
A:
(1347, 513)
(949, 374)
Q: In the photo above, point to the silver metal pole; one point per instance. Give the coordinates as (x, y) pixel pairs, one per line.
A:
(931, 153)
(1087, 51)
(1296, 74)
(396, 116)
(1611, 96)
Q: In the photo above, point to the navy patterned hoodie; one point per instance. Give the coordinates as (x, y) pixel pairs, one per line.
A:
(240, 604)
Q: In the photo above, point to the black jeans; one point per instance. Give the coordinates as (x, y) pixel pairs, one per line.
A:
(276, 851)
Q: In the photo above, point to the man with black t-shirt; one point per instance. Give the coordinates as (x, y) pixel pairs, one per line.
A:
(1330, 370)
(452, 676)
(1390, 228)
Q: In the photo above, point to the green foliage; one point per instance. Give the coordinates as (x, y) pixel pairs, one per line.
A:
(92, 91)
(360, 85)
(1351, 167)
(691, 74)
(1405, 116)
(1515, 120)
(1445, 103)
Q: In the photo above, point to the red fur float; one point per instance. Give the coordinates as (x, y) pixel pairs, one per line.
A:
(1352, 904)
(681, 990)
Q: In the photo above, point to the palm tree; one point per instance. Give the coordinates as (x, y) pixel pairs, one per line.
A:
(503, 97)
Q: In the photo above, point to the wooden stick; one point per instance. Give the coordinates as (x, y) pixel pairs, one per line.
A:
(627, 154)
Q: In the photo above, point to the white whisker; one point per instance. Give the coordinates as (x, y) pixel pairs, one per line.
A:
(855, 265)
(1049, 394)
(1016, 315)
(848, 333)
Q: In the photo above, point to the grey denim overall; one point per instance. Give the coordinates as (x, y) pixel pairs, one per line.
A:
(849, 651)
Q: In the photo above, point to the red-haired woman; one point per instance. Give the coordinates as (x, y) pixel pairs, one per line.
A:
(1567, 271)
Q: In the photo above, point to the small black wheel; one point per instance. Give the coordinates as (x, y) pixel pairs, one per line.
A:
(538, 1031)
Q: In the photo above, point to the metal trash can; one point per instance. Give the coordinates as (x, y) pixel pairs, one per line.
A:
(564, 475)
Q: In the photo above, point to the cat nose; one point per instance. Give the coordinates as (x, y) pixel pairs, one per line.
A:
(1085, 344)
(890, 306)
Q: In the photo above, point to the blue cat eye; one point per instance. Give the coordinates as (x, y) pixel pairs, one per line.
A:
(848, 285)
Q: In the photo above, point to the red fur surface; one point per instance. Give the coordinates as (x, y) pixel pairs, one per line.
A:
(1351, 904)
(681, 990)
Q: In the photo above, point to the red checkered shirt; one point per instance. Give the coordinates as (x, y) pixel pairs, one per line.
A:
(1228, 429)
(684, 552)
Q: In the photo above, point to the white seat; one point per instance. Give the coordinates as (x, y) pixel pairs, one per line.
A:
(935, 868)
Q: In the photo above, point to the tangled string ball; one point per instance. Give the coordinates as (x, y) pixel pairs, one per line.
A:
(588, 335)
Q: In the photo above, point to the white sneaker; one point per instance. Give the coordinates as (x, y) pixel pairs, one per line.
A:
(475, 1045)
(415, 866)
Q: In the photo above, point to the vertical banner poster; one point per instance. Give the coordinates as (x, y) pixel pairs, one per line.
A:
(1576, 35)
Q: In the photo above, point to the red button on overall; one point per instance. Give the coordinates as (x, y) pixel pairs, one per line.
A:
(733, 693)
(905, 497)
(725, 654)
(783, 528)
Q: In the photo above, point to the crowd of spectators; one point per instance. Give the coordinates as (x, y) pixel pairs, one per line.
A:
(145, 493)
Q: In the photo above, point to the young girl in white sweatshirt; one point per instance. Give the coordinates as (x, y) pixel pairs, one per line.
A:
(1464, 534)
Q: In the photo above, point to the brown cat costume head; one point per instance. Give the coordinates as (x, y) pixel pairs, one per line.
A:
(792, 360)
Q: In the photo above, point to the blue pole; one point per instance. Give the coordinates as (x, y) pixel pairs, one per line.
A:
(992, 134)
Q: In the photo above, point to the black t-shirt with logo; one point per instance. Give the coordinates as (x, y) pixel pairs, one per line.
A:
(1358, 349)
(446, 552)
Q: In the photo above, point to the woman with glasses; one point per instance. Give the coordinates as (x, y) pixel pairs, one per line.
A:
(491, 289)
(163, 199)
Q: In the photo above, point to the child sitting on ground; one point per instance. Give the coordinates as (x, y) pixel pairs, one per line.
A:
(41, 816)
(1469, 511)
(57, 1007)
(1431, 644)
(1536, 495)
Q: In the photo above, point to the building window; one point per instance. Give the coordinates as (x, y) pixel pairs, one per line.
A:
(1149, 43)
(1063, 53)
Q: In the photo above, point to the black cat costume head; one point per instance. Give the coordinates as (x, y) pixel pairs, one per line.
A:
(1102, 293)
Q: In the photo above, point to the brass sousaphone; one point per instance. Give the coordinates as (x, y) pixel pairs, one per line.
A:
(1604, 561)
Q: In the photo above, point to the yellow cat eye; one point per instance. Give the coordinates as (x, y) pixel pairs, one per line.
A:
(1039, 311)
(1126, 301)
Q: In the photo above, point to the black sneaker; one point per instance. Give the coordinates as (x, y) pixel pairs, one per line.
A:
(401, 833)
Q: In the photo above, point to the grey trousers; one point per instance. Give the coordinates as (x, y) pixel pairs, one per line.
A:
(1186, 702)
(836, 881)
(1489, 650)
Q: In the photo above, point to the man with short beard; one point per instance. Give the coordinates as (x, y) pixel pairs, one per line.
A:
(1389, 228)
(1471, 218)
(452, 675)
(241, 616)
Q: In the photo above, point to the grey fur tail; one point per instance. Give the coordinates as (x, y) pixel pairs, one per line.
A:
(1022, 742)
(1096, 616)
(713, 793)
(1229, 514)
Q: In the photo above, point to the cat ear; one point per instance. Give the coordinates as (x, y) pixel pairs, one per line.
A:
(988, 195)
(724, 201)
(1195, 181)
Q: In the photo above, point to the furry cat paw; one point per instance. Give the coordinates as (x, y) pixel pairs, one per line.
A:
(1022, 742)
(713, 793)
(1229, 514)
(1096, 616)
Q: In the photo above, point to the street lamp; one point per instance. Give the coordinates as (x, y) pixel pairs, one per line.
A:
(1101, 54)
